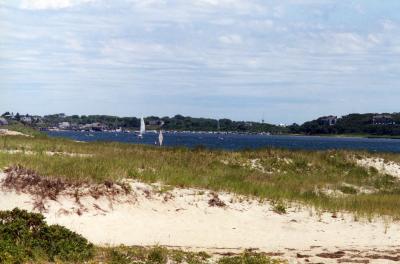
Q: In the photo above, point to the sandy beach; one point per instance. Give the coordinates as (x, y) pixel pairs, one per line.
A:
(195, 219)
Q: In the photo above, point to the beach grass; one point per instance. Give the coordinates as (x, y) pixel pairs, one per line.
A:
(162, 255)
(312, 178)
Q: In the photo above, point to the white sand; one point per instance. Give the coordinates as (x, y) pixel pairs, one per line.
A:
(384, 167)
(183, 218)
(6, 132)
(48, 153)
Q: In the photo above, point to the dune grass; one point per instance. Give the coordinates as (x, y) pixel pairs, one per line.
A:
(161, 255)
(275, 174)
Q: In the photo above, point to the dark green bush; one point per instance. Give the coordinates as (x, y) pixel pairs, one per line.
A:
(116, 257)
(26, 237)
(347, 189)
(157, 255)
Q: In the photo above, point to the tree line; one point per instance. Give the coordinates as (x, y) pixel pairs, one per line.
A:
(351, 124)
(348, 124)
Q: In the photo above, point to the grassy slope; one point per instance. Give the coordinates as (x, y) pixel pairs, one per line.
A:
(288, 175)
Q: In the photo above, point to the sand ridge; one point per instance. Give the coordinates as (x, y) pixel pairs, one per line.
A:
(385, 167)
(186, 218)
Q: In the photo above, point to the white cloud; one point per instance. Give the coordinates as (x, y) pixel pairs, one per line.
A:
(120, 48)
(51, 4)
(240, 6)
(199, 47)
(388, 25)
(148, 3)
(73, 44)
(231, 39)
(348, 42)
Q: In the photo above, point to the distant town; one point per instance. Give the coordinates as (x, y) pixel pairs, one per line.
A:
(386, 124)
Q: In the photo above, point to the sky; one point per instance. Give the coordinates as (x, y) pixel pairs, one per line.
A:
(282, 60)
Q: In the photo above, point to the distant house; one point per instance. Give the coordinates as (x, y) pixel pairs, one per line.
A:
(37, 119)
(74, 126)
(383, 120)
(8, 115)
(93, 127)
(26, 119)
(64, 125)
(155, 122)
(327, 120)
(3, 121)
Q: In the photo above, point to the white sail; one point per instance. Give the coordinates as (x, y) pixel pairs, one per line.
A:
(142, 127)
(160, 138)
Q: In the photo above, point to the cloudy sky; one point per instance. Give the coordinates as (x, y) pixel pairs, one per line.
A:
(286, 60)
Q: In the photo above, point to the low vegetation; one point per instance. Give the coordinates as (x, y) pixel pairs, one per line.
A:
(275, 174)
(153, 255)
(161, 255)
(25, 237)
(249, 257)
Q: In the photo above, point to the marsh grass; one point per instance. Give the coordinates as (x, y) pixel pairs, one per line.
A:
(286, 175)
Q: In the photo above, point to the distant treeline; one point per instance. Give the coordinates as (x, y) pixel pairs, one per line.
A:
(384, 125)
(368, 124)
(177, 122)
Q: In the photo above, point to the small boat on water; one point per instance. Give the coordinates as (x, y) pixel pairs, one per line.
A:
(142, 128)
(160, 138)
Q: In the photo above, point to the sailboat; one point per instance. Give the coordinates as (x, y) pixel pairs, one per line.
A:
(160, 138)
(142, 128)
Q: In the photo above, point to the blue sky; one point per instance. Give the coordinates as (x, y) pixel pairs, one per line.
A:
(286, 60)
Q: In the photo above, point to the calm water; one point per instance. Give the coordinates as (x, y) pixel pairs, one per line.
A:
(237, 142)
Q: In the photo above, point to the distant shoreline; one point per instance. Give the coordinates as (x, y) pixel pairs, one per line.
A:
(238, 133)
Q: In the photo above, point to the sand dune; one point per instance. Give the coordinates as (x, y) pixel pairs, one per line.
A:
(187, 218)
(6, 132)
(385, 167)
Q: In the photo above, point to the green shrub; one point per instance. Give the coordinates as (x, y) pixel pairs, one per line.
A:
(249, 258)
(26, 237)
(347, 189)
(117, 257)
(157, 255)
(279, 208)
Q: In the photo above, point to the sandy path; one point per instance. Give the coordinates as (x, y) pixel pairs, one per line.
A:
(183, 218)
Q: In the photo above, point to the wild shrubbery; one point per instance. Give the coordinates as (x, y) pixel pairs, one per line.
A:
(249, 257)
(25, 237)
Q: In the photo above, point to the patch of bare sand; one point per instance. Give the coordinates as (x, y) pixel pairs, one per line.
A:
(218, 223)
(48, 153)
(6, 132)
(384, 167)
